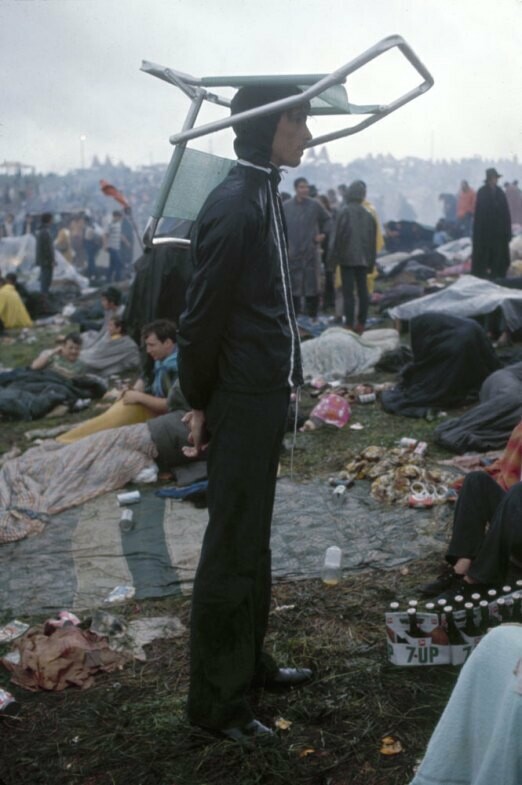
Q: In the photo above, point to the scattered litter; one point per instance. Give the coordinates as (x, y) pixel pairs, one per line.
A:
(131, 497)
(120, 594)
(13, 630)
(67, 656)
(7, 702)
(356, 426)
(306, 752)
(282, 724)
(398, 476)
(147, 474)
(390, 745)
(144, 631)
(126, 520)
(332, 409)
(281, 608)
(65, 619)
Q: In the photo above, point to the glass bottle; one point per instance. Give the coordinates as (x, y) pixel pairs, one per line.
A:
(454, 636)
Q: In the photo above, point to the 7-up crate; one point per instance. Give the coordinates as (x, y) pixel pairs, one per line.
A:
(403, 649)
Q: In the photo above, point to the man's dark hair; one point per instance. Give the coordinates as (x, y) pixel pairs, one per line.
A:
(11, 278)
(119, 323)
(163, 329)
(112, 294)
(74, 338)
(254, 137)
(46, 218)
(300, 180)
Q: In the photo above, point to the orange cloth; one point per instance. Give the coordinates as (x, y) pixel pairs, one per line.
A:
(466, 202)
(507, 469)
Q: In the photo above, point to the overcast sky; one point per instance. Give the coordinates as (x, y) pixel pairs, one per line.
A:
(71, 68)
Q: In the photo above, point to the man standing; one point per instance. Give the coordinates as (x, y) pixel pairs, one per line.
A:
(308, 223)
(466, 199)
(491, 230)
(115, 239)
(354, 250)
(45, 253)
(239, 357)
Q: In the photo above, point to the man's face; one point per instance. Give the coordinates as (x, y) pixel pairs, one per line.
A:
(71, 351)
(302, 190)
(290, 138)
(157, 349)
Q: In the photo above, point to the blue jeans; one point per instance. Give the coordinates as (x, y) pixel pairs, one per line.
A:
(115, 269)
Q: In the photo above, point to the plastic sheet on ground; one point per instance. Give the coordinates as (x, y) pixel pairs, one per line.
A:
(469, 296)
(82, 555)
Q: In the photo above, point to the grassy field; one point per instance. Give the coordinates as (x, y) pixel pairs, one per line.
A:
(130, 728)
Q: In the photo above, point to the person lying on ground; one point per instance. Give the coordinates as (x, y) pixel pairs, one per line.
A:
(44, 480)
(116, 355)
(13, 313)
(481, 558)
(65, 359)
(148, 397)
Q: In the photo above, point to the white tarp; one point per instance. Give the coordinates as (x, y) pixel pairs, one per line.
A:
(18, 255)
(469, 296)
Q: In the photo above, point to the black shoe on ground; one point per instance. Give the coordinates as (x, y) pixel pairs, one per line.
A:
(283, 678)
(446, 581)
(254, 732)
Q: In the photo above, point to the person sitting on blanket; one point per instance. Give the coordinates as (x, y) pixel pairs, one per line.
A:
(65, 359)
(118, 354)
(481, 558)
(148, 397)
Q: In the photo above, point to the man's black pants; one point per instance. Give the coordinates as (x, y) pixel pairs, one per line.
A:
(351, 276)
(482, 501)
(231, 597)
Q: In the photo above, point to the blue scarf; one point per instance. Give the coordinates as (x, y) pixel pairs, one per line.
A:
(165, 373)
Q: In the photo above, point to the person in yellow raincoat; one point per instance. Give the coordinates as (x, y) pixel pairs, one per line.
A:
(13, 312)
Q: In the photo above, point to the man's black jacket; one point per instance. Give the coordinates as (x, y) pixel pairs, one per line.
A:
(238, 331)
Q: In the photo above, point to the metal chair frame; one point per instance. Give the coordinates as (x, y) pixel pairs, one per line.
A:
(315, 84)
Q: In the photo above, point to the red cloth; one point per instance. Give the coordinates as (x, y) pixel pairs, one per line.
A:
(110, 190)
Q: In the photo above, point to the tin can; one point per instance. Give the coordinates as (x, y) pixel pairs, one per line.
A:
(132, 497)
(367, 398)
(126, 520)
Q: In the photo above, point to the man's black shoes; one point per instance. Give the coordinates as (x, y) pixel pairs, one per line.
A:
(447, 581)
(281, 678)
(289, 677)
(254, 732)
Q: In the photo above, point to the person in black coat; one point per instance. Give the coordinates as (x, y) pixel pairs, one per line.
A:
(45, 253)
(239, 357)
(491, 230)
